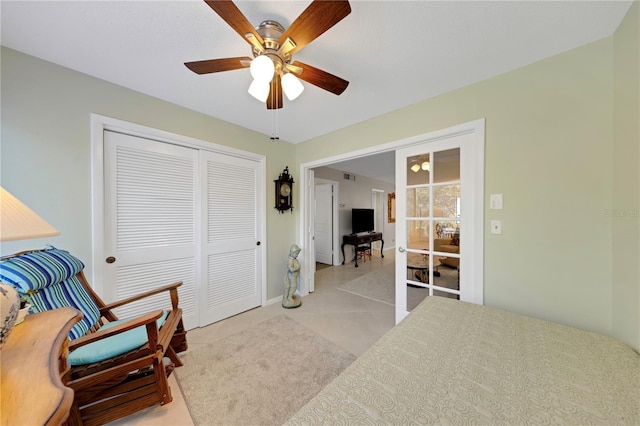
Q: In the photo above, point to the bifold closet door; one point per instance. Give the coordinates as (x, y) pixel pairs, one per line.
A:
(232, 260)
(151, 223)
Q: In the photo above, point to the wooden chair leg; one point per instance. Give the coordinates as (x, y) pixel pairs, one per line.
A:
(161, 380)
(173, 356)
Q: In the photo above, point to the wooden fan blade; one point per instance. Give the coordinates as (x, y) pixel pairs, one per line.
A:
(315, 20)
(217, 65)
(230, 13)
(274, 101)
(322, 79)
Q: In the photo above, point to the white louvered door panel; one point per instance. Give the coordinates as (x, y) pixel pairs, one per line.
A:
(232, 251)
(150, 223)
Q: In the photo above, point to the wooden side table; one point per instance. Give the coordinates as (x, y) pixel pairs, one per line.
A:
(34, 362)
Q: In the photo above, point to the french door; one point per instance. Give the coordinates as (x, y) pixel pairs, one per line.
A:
(439, 221)
(178, 213)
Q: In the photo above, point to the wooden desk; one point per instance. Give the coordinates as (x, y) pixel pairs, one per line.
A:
(34, 361)
(356, 240)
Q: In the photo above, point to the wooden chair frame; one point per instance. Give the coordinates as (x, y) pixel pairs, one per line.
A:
(114, 388)
(125, 384)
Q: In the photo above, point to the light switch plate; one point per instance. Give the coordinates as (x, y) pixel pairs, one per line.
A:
(495, 202)
(496, 227)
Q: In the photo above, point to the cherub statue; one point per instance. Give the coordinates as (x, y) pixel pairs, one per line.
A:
(289, 299)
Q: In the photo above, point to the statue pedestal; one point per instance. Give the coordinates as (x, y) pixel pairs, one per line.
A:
(292, 304)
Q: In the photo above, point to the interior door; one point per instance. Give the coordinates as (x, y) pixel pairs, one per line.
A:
(233, 251)
(324, 223)
(150, 225)
(435, 223)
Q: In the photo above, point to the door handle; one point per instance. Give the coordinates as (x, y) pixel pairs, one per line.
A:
(401, 249)
(110, 259)
(258, 243)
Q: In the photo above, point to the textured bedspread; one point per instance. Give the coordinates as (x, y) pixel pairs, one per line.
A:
(458, 363)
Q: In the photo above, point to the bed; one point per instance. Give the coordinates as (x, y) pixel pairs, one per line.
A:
(453, 362)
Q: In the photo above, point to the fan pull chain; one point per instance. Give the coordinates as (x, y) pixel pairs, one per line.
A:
(274, 126)
(274, 118)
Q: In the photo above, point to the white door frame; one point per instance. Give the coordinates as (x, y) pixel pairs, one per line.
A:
(307, 272)
(99, 123)
(477, 127)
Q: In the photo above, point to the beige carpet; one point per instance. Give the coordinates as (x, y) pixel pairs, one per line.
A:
(261, 376)
(379, 285)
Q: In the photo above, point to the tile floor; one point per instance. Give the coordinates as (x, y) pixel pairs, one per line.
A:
(350, 321)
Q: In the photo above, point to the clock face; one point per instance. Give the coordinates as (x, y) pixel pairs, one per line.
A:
(285, 189)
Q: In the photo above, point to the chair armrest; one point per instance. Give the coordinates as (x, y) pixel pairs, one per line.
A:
(170, 288)
(147, 319)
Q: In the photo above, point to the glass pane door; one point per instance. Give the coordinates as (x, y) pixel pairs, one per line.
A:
(433, 224)
(439, 217)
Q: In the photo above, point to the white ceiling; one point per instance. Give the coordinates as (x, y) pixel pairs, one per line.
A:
(394, 53)
(380, 166)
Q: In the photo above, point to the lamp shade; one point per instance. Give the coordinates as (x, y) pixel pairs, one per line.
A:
(19, 222)
(262, 69)
(291, 86)
(426, 166)
(259, 90)
(415, 168)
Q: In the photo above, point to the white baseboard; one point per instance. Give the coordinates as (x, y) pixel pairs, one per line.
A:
(277, 299)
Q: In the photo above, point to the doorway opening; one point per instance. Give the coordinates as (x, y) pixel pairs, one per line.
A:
(389, 149)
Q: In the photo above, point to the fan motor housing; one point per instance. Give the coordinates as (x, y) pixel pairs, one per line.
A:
(270, 31)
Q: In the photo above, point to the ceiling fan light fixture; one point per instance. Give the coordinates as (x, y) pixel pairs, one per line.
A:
(291, 86)
(426, 166)
(259, 90)
(415, 168)
(262, 69)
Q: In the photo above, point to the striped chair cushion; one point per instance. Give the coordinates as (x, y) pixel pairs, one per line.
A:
(47, 279)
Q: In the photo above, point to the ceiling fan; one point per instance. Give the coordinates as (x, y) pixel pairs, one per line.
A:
(272, 67)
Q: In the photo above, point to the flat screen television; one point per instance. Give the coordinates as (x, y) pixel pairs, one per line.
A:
(362, 220)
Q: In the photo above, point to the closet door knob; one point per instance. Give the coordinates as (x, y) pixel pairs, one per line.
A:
(258, 243)
(110, 259)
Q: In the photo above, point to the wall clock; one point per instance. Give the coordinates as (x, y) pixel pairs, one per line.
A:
(284, 191)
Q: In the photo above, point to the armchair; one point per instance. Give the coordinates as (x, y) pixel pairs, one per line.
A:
(118, 367)
(448, 245)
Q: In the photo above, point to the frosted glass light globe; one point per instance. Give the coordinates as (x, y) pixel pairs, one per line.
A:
(262, 68)
(291, 86)
(259, 90)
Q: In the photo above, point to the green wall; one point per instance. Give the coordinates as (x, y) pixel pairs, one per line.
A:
(626, 179)
(45, 152)
(549, 149)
